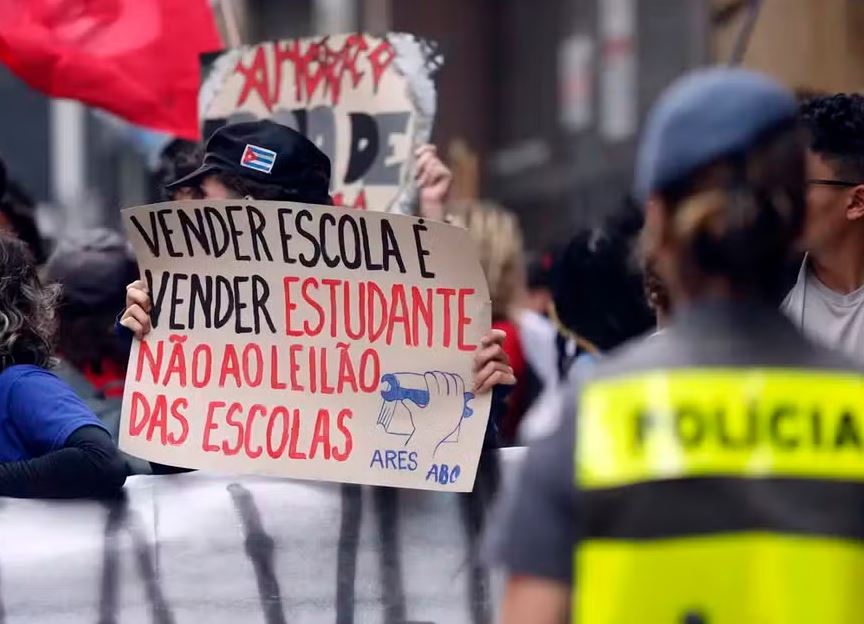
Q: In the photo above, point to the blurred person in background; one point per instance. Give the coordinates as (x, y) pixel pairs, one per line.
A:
(597, 285)
(827, 299)
(51, 443)
(539, 283)
(18, 218)
(598, 304)
(548, 352)
(703, 490)
(498, 238)
(178, 159)
(92, 269)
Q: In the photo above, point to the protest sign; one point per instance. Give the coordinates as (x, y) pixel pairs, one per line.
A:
(309, 342)
(368, 102)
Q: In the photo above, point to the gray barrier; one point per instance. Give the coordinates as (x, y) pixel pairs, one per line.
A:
(202, 549)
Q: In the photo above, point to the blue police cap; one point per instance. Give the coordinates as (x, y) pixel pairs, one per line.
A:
(703, 117)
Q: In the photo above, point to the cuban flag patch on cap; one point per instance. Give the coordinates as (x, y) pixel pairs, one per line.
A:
(258, 158)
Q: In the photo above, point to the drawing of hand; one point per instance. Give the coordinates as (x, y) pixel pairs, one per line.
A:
(442, 415)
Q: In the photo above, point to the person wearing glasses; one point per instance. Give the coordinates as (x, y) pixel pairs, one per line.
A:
(827, 300)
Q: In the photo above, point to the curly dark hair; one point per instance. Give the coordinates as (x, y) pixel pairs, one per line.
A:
(27, 308)
(835, 124)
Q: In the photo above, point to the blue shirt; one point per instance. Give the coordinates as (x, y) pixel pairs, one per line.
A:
(38, 413)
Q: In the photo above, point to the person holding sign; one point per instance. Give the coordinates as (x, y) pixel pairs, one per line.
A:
(323, 280)
(714, 473)
(51, 444)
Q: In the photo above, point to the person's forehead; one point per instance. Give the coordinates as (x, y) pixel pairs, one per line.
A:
(818, 167)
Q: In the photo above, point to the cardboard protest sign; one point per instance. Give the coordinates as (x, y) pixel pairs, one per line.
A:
(308, 342)
(368, 102)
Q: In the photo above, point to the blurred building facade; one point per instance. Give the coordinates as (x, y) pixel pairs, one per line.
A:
(540, 102)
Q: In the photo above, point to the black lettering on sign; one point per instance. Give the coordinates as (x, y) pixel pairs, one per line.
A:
(307, 261)
(321, 128)
(201, 295)
(214, 219)
(367, 253)
(239, 306)
(224, 307)
(256, 228)
(194, 229)
(151, 240)
(284, 235)
(352, 259)
(167, 232)
(364, 146)
(422, 252)
(260, 295)
(326, 219)
(390, 246)
(176, 301)
(389, 124)
(157, 296)
(236, 233)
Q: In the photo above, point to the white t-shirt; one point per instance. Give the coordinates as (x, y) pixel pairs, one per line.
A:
(831, 318)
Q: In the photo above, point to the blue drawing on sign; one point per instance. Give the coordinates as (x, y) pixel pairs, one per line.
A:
(424, 408)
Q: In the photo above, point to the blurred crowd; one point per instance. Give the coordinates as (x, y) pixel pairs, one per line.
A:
(561, 308)
(743, 206)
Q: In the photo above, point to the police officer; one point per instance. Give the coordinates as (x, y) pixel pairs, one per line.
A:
(714, 473)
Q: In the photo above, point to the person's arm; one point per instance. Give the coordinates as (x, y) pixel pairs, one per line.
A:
(69, 453)
(434, 180)
(123, 333)
(534, 531)
(89, 465)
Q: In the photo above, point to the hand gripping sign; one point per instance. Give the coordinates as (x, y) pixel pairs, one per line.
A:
(307, 342)
(368, 102)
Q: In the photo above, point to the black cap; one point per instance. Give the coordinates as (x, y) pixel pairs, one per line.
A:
(94, 268)
(268, 153)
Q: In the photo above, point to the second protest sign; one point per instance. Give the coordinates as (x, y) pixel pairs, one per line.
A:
(307, 342)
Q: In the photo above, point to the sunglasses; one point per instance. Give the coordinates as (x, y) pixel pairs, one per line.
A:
(844, 183)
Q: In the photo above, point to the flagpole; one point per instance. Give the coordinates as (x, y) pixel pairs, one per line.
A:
(232, 29)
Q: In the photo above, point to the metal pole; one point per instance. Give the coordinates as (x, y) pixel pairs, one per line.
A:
(232, 29)
(68, 157)
(746, 31)
(334, 17)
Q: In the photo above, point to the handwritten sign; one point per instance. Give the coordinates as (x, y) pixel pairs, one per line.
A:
(367, 102)
(307, 342)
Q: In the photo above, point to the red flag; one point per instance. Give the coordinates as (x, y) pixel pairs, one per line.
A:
(135, 58)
